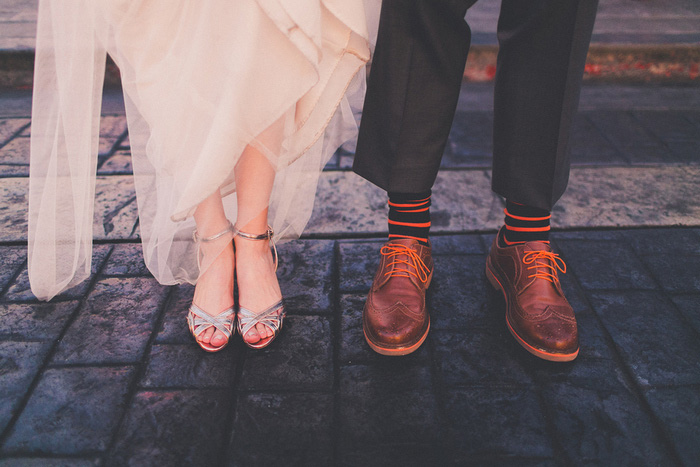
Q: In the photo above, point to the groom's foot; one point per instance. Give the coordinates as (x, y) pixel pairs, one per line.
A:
(395, 319)
(537, 313)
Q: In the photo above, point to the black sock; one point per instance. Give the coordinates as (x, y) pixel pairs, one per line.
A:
(409, 216)
(525, 224)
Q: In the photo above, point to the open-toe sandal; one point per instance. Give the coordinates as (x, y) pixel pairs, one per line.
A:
(199, 320)
(273, 316)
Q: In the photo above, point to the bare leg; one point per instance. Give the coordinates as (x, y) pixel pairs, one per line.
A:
(214, 290)
(258, 287)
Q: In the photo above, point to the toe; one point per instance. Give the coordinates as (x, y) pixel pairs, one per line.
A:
(252, 336)
(218, 339)
(205, 337)
(263, 331)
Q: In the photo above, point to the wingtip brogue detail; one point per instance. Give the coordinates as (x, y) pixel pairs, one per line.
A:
(395, 319)
(537, 312)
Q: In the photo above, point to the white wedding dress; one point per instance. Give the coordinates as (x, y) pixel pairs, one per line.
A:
(202, 79)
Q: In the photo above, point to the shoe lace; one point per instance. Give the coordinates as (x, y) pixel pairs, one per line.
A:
(545, 264)
(413, 265)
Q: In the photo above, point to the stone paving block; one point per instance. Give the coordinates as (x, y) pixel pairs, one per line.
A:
(592, 339)
(305, 275)
(601, 427)
(116, 211)
(20, 289)
(354, 347)
(672, 242)
(458, 294)
(12, 258)
(188, 366)
(686, 151)
(35, 322)
(675, 273)
(387, 404)
(118, 164)
(115, 322)
(689, 306)
(283, 429)
(605, 265)
(635, 196)
(112, 127)
(589, 146)
(462, 201)
(7, 170)
(172, 428)
(300, 358)
(358, 263)
(48, 462)
(173, 329)
(9, 127)
(13, 210)
(71, 411)
(15, 152)
(126, 260)
(456, 245)
(470, 143)
(478, 357)
(630, 137)
(19, 364)
(649, 334)
(669, 126)
(333, 213)
(679, 409)
(488, 421)
(398, 453)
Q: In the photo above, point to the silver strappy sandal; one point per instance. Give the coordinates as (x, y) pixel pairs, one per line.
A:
(199, 320)
(273, 316)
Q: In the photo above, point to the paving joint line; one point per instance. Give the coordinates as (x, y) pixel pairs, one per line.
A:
(15, 134)
(228, 445)
(50, 354)
(336, 336)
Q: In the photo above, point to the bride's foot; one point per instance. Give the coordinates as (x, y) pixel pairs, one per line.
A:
(213, 292)
(258, 288)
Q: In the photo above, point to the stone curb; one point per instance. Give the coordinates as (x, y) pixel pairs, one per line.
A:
(606, 63)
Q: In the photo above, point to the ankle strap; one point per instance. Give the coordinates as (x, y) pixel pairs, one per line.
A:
(263, 236)
(216, 236)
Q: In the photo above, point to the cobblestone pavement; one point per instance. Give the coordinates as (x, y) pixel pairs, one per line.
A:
(107, 374)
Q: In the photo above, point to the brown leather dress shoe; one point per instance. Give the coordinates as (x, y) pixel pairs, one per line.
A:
(395, 320)
(537, 313)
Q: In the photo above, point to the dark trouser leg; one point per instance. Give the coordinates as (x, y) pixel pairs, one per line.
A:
(412, 93)
(543, 46)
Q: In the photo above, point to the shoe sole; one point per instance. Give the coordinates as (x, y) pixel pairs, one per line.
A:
(549, 356)
(397, 351)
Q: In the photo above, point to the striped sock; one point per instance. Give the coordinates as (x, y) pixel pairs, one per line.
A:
(525, 224)
(409, 216)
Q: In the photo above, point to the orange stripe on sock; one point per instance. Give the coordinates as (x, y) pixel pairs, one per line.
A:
(410, 224)
(520, 218)
(414, 210)
(527, 229)
(408, 205)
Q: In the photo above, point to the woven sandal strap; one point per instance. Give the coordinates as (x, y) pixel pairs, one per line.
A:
(263, 236)
(197, 238)
(200, 320)
(253, 318)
